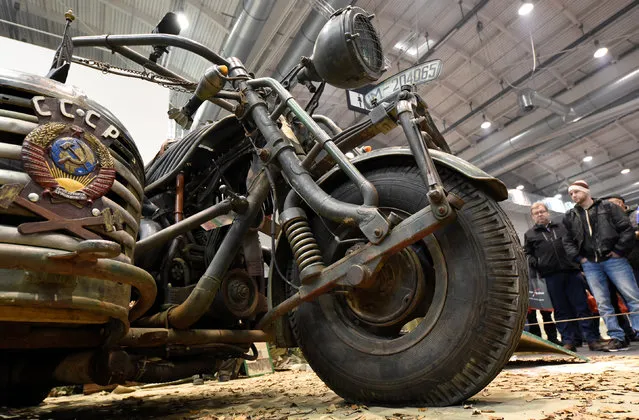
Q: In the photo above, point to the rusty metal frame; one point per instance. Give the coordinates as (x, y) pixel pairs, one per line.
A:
(88, 337)
(357, 269)
(44, 260)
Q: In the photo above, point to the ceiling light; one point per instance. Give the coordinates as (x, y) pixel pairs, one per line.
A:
(558, 196)
(183, 21)
(587, 158)
(525, 8)
(601, 51)
(486, 124)
(520, 187)
(625, 171)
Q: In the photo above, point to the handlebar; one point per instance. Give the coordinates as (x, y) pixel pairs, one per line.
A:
(110, 41)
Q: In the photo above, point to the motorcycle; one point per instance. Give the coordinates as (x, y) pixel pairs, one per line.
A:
(395, 271)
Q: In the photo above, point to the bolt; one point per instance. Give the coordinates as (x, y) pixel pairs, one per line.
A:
(33, 197)
(435, 196)
(377, 232)
(95, 212)
(441, 211)
(263, 154)
(80, 112)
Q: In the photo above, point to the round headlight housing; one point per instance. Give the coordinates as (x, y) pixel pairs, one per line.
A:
(347, 53)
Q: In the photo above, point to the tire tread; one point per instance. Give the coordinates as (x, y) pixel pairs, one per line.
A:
(501, 323)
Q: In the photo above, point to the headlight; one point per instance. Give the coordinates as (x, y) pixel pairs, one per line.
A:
(347, 52)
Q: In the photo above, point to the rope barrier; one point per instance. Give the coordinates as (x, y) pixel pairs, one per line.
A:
(580, 319)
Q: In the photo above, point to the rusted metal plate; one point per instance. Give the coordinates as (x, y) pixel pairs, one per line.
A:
(29, 296)
(531, 343)
(8, 194)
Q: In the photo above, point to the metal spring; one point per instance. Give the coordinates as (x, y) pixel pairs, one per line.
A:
(303, 244)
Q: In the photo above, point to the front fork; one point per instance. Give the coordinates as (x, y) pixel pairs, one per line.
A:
(406, 118)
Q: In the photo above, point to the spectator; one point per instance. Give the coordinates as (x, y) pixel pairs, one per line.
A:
(598, 236)
(633, 256)
(633, 260)
(545, 252)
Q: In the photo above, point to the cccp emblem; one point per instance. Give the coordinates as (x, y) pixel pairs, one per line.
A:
(68, 162)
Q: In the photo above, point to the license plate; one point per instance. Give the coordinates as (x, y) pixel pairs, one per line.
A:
(417, 75)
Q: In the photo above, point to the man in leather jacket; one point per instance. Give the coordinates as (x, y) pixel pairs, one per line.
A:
(599, 236)
(546, 255)
(633, 256)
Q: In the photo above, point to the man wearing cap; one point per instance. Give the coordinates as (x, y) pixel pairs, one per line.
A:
(546, 256)
(599, 236)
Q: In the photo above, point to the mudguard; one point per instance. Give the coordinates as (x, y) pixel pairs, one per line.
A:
(389, 155)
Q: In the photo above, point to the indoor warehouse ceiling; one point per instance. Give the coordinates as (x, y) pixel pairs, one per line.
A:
(490, 54)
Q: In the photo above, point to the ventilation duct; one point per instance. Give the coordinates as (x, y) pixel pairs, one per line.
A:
(563, 137)
(584, 106)
(247, 28)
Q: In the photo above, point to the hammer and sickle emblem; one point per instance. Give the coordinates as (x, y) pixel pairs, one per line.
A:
(74, 155)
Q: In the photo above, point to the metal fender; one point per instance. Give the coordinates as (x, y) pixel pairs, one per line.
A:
(392, 155)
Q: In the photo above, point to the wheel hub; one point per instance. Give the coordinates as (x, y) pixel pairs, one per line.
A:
(398, 288)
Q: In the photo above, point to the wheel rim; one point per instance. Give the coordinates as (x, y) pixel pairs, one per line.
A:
(389, 326)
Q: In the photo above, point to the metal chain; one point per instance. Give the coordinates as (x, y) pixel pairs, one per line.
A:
(171, 83)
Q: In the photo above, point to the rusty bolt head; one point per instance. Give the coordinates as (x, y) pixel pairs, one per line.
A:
(263, 154)
(435, 195)
(441, 211)
(377, 232)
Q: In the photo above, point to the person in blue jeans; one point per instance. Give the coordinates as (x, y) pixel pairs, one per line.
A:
(546, 255)
(599, 236)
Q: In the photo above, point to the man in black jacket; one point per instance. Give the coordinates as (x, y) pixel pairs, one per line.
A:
(546, 255)
(633, 256)
(599, 236)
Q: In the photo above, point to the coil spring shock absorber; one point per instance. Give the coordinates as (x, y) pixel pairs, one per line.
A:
(305, 249)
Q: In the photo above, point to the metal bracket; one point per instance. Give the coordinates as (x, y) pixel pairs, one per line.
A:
(356, 269)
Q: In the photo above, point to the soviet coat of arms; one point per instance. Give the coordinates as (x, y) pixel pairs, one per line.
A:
(71, 168)
(68, 161)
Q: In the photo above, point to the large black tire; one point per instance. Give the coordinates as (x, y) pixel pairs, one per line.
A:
(470, 313)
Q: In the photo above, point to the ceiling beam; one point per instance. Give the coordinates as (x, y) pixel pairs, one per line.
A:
(628, 132)
(152, 21)
(571, 16)
(506, 31)
(216, 18)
